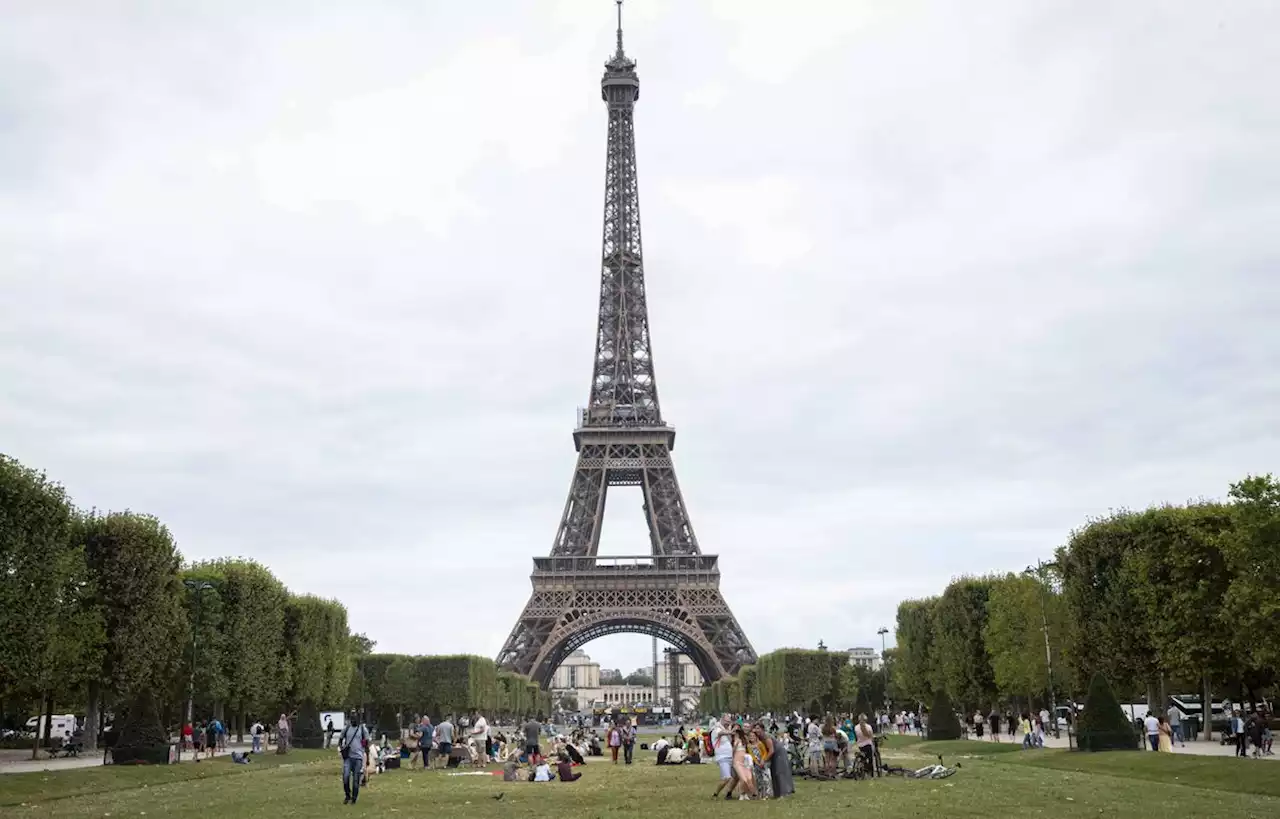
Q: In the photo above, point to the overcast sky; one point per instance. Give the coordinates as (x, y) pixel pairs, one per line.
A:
(931, 284)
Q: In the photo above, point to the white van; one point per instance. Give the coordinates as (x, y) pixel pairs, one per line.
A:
(63, 724)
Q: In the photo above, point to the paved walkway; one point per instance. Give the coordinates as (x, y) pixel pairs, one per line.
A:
(20, 761)
(1197, 748)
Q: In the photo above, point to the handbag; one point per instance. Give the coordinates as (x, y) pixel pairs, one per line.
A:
(344, 748)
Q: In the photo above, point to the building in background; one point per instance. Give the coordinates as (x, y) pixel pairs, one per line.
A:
(580, 678)
(865, 658)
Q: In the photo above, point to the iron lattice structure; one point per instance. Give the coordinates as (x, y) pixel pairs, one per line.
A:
(674, 592)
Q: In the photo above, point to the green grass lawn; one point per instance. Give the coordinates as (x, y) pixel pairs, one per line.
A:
(994, 781)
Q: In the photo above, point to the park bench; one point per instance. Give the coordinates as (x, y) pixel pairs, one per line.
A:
(68, 749)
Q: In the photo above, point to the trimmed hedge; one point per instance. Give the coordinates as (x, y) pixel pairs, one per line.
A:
(749, 680)
(792, 679)
(1102, 726)
(440, 685)
(943, 722)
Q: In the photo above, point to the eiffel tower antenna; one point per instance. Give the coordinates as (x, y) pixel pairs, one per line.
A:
(672, 593)
(620, 52)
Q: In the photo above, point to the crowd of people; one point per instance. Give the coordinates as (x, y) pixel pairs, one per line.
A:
(756, 758)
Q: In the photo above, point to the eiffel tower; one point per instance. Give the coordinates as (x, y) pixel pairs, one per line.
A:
(673, 593)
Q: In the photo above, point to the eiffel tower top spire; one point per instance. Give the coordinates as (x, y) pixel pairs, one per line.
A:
(619, 53)
(623, 390)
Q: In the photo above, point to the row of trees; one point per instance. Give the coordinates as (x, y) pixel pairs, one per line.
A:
(1173, 596)
(100, 616)
(391, 688)
(792, 679)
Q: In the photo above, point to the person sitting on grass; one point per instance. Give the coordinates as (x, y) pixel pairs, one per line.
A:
(661, 748)
(693, 750)
(542, 772)
(565, 771)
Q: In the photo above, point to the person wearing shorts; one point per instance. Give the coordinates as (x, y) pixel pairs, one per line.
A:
(532, 730)
(444, 741)
(722, 747)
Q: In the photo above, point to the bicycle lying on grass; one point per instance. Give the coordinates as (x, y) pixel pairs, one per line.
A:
(939, 771)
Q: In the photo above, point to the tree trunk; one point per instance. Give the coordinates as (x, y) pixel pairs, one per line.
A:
(1206, 709)
(91, 716)
(35, 744)
(47, 710)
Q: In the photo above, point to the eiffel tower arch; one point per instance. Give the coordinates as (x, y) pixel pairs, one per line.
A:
(673, 592)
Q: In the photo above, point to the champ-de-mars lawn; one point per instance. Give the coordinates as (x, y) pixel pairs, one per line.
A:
(994, 781)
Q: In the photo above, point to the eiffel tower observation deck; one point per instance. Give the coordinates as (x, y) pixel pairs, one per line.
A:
(622, 440)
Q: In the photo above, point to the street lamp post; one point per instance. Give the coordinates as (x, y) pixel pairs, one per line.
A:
(884, 666)
(197, 586)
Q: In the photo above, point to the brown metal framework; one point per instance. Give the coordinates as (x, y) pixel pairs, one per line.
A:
(674, 592)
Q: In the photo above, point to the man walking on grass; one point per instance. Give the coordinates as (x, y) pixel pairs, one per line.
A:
(351, 745)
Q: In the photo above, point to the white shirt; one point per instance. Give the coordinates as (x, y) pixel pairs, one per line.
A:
(675, 755)
(660, 744)
(722, 742)
(1153, 725)
(1044, 716)
(480, 729)
(542, 773)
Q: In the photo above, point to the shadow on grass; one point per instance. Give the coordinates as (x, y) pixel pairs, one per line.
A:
(1259, 777)
(44, 786)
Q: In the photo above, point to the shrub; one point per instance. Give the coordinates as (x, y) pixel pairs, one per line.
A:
(1102, 726)
(943, 723)
(142, 739)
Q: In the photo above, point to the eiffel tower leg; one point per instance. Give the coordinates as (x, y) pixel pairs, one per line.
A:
(669, 526)
(579, 532)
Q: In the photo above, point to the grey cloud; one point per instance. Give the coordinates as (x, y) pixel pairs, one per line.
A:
(928, 287)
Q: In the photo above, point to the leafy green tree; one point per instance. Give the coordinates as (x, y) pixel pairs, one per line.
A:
(134, 562)
(337, 653)
(569, 703)
(960, 618)
(306, 639)
(1108, 627)
(1183, 581)
(257, 667)
(1017, 610)
(639, 678)
(204, 649)
(848, 686)
(1102, 726)
(398, 686)
(1252, 550)
(50, 643)
(915, 672)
